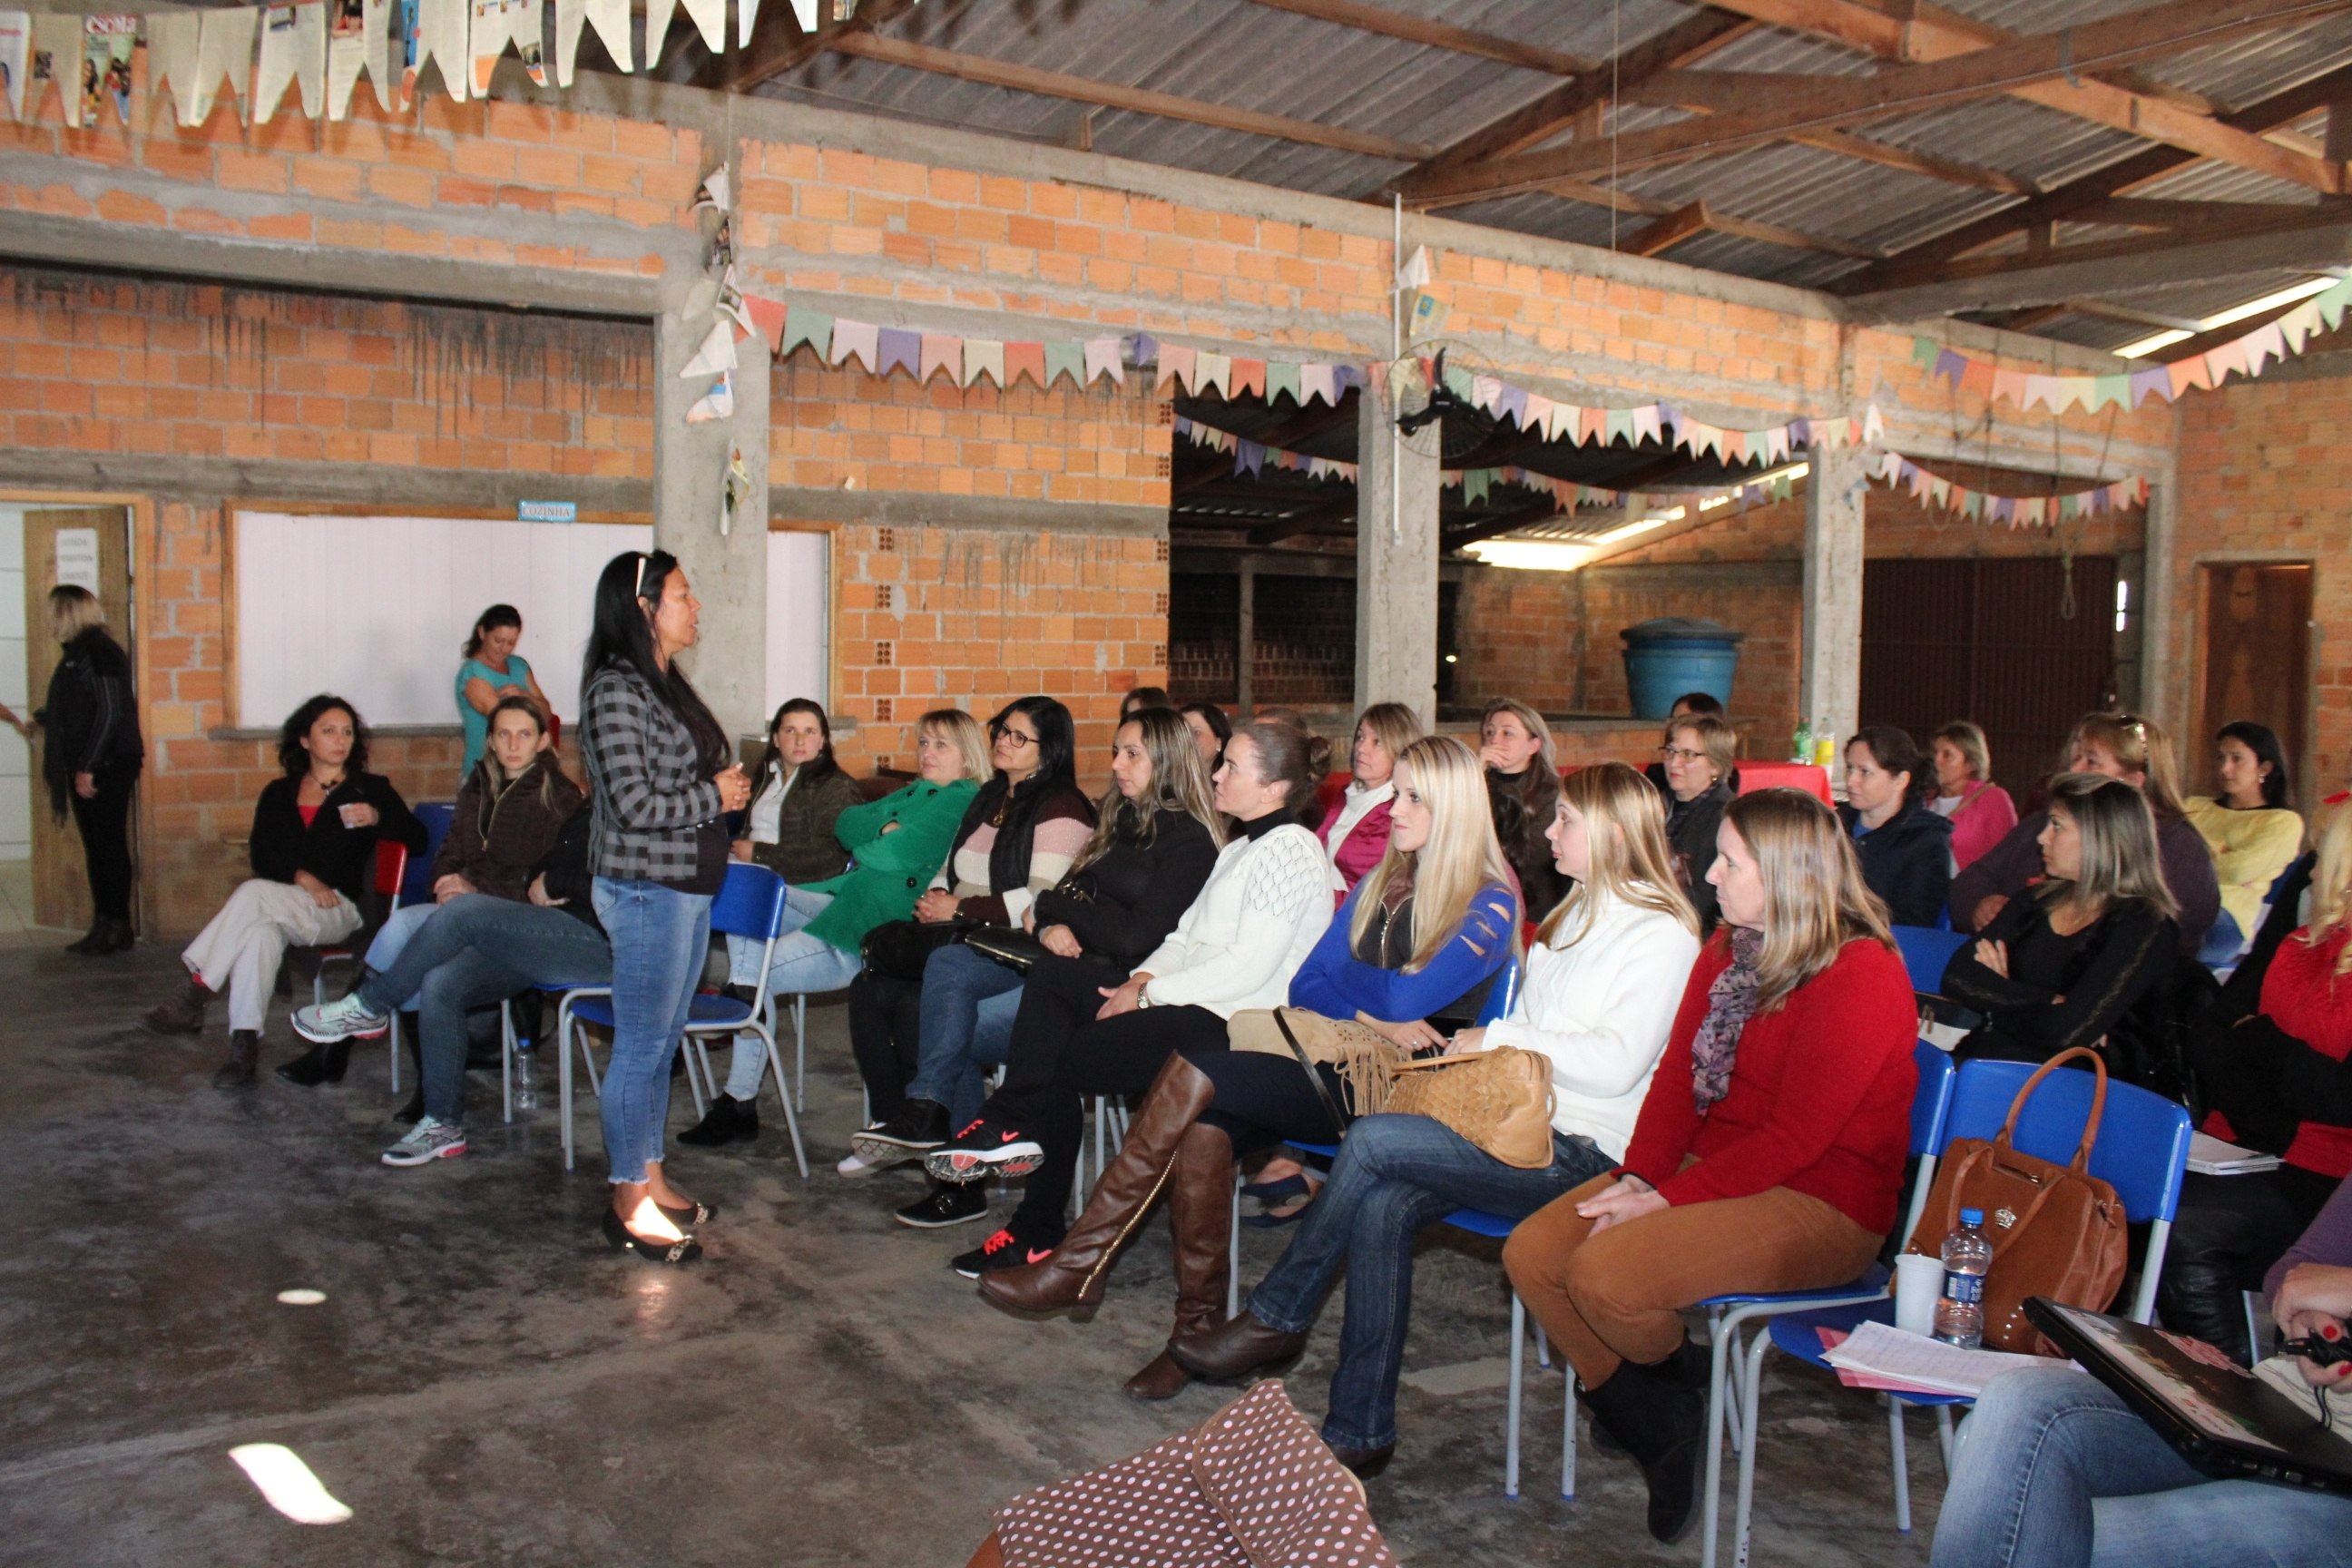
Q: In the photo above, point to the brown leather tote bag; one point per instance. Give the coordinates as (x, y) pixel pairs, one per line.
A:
(2057, 1230)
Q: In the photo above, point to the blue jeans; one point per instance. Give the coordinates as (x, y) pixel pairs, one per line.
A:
(659, 939)
(474, 951)
(391, 938)
(1394, 1176)
(801, 963)
(2055, 1471)
(969, 1003)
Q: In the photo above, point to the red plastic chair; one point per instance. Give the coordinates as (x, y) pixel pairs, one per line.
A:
(391, 870)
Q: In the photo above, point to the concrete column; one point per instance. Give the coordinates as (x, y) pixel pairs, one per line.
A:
(729, 572)
(2164, 605)
(1245, 642)
(1829, 693)
(1396, 563)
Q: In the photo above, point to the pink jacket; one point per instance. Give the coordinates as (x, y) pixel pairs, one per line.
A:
(1361, 850)
(1983, 820)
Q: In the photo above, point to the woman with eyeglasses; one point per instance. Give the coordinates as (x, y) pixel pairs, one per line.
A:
(1697, 757)
(2140, 753)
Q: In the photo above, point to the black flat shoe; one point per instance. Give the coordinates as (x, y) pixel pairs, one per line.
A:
(1366, 1462)
(319, 1063)
(690, 1216)
(621, 1238)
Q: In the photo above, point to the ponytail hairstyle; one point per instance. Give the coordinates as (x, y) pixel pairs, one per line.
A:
(493, 773)
(621, 637)
(1179, 782)
(497, 617)
(1815, 901)
(1461, 859)
(1282, 748)
(1626, 833)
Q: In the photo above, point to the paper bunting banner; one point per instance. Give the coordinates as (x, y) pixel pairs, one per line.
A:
(224, 51)
(2248, 355)
(611, 20)
(436, 31)
(881, 350)
(359, 43)
(710, 18)
(1253, 457)
(57, 57)
(107, 44)
(497, 24)
(15, 53)
(716, 353)
(293, 54)
(1899, 473)
(719, 403)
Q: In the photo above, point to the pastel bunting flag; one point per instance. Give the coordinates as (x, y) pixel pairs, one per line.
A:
(900, 349)
(1176, 364)
(941, 352)
(1212, 370)
(1024, 359)
(860, 341)
(1103, 359)
(1248, 378)
(1282, 381)
(803, 325)
(1065, 358)
(982, 357)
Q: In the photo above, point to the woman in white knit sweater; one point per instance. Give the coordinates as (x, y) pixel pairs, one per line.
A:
(1237, 946)
(1604, 981)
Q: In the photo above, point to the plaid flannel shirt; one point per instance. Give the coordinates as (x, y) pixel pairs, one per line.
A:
(647, 777)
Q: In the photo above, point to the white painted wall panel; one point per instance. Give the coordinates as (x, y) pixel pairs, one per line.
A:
(800, 600)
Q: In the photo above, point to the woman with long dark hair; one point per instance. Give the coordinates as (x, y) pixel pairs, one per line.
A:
(489, 669)
(2250, 825)
(92, 757)
(312, 846)
(662, 777)
(798, 793)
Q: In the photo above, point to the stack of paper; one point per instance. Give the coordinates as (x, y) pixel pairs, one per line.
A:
(1886, 1355)
(2209, 1156)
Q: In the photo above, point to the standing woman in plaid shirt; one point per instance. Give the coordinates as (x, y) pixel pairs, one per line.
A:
(663, 778)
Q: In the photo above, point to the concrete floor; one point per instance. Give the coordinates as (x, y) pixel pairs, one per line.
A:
(486, 1382)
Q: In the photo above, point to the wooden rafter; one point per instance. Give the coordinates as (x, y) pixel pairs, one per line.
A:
(1918, 263)
(1670, 230)
(2139, 212)
(1838, 103)
(1717, 221)
(1436, 35)
(778, 45)
(1140, 101)
(1846, 144)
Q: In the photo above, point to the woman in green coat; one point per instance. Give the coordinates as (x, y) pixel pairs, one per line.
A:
(896, 844)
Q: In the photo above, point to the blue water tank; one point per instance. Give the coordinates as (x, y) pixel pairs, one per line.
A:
(1674, 655)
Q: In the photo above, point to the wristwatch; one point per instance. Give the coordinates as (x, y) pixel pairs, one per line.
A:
(1143, 995)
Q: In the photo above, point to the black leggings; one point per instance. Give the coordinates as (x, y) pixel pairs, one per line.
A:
(1263, 1099)
(884, 1034)
(2227, 1233)
(1062, 1054)
(105, 823)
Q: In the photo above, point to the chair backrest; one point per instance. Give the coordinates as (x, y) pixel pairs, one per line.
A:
(1502, 993)
(390, 868)
(2142, 1147)
(1931, 1103)
(1926, 954)
(437, 815)
(751, 901)
(1330, 792)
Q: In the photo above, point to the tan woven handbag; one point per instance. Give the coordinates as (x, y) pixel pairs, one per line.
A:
(1499, 1099)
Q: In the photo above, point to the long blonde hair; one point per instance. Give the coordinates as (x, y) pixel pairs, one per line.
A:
(2142, 746)
(963, 731)
(1462, 855)
(1177, 782)
(1625, 830)
(1815, 901)
(2331, 886)
(2117, 830)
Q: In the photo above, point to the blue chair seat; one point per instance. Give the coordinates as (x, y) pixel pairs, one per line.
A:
(1798, 1334)
(706, 1011)
(1874, 1282)
(1479, 1222)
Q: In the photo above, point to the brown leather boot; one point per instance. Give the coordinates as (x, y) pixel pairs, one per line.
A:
(1073, 1276)
(183, 1013)
(244, 1057)
(1201, 1215)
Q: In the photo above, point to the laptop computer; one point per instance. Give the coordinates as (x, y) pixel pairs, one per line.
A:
(2220, 1418)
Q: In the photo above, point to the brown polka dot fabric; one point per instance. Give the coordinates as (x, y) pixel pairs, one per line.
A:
(1253, 1486)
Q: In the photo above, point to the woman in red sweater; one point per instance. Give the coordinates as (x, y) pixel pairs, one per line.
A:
(1767, 1152)
(2280, 1080)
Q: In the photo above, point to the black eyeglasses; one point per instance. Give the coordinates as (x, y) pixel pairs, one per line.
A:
(1007, 732)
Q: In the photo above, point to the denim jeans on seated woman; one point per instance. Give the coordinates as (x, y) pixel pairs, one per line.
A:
(474, 951)
(660, 938)
(801, 963)
(2054, 1471)
(969, 1003)
(1394, 1176)
(391, 938)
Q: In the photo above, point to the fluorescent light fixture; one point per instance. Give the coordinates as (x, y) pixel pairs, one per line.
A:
(301, 1297)
(286, 1484)
(1531, 554)
(2270, 301)
(1628, 529)
(1559, 555)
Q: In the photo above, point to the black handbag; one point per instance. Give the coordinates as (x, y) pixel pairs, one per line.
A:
(898, 950)
(1011, 947)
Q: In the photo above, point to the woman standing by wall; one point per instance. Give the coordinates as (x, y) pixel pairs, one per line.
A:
(93, 756)
(662, 777)
(491, 669)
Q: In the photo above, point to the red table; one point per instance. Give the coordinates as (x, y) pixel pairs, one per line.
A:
(1810, 777)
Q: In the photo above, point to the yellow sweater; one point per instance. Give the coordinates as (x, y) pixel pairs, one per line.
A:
(2250, 849)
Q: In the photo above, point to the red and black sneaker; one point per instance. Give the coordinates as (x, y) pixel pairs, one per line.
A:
(986, 1148)
(1008, 1249)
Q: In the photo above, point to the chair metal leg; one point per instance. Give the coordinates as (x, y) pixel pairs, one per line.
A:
(1567, 1436)
(1234, 1252)
(791, 1122)
(698, 1068)
(1511, 1404)
(1543, 1348)
(1944, 1436)
(1751, 1393)
(1901, 1460)
(800, 1053)
(563, 1075)
(395, 1052)
(1711, 1504)
(507, 1057)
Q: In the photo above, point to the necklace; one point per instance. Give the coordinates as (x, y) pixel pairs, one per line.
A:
(326, 787)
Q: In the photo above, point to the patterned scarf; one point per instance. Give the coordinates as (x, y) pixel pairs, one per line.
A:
(1730, 1003)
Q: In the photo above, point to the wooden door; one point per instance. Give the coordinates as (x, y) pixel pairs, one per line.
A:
(2256, 666)
(60, 886)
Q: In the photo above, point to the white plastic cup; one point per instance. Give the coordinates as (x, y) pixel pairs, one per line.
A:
(1919, 1281)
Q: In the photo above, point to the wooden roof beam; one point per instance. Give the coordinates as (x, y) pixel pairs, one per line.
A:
(1721, 222)
(1436, 34)
(2015, 68)
(1670, 230)
(779, 46)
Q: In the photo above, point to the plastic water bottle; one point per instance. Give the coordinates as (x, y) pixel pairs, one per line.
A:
(1800, 746)
(526, 1092)
(1959, 1311)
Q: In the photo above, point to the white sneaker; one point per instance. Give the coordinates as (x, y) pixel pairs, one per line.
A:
(428, 1141)
(339, 1020)
(859, 1166)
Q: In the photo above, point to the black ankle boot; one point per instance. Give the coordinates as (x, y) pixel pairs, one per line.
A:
(244, 1057)
(319, 1063)
(1659, 1413)
(97, 942)
(728, 1120)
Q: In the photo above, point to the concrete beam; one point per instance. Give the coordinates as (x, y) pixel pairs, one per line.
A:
(352, 484)
(967, 513)
(1830, 685)
(1396, 563)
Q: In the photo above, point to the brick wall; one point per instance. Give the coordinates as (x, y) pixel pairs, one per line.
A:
(1203, 637)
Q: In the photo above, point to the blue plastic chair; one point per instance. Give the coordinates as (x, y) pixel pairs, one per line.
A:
(1926, 954)
(750, 903)
(2142, 1152)
(416, 886)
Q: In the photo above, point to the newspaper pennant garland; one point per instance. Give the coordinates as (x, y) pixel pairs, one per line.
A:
(224, 52)
(1899, 473)
(359, 43)
(497, 24)
(15, 53)
(56, 41)
(436, 31)
(611, 20)
(107, 43)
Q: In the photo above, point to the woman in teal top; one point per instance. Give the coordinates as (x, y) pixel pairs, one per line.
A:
(490, 670)
(898, 842)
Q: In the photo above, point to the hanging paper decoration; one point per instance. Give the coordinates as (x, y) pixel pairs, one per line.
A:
(437, 31)
(173, 40)
(293, 49)
(710, 18)
(719, 403)
(1900, 472)
(716, 193)
(107, 43)
(57, 57)
(16, 53)
(1251, 457)
(224, 51)
(716, 353)
(746, 12)
(359, 43)
(497, 24)
(611, 20)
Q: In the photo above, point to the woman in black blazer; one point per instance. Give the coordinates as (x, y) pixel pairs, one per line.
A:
(313, 855)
